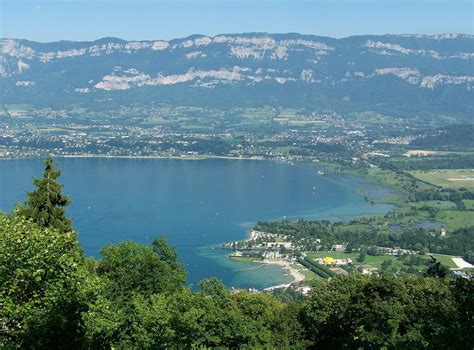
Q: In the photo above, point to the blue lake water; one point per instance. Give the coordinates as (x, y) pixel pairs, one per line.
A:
(197, 205)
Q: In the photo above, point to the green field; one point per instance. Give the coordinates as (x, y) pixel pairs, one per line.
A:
(307, 273)
(441, 205)
(469, 203)
(452, 178)
(372, 261)
(455, 219)
(401, 182)
(445, 260)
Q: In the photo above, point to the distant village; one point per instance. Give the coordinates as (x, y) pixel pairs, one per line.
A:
(274, 246)
(269, 248)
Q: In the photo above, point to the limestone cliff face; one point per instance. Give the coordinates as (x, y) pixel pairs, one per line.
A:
(267, 64)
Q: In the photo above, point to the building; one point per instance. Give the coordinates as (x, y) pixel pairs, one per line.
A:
(328, 260)
(339, 248)
(303, 289)
(442, 231)
(335, 262)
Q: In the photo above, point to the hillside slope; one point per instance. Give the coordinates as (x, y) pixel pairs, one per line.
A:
(394, 74)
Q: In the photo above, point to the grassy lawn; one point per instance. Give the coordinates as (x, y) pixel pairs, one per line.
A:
(307, 273)
(441, 205)
(452, 178)
(335, 255)
(384, 176)
(469, 203)
(455, 219)
(445, 260)
(244, 259)
(373, 261)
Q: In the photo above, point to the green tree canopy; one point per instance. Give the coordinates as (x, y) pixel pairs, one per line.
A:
(384, 312)
(361, 257)
(39, 285)
(45, 205)
(436, 269)
(133, 267)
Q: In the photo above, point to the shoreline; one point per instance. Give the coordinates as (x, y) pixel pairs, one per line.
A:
(161, 157)
(283, 264)
(200, 157)
(203, 157)
(297, 276)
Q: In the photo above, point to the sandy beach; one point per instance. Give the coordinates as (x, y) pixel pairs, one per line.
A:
(297, 276)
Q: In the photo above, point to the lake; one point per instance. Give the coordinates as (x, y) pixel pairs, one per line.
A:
(196, 204)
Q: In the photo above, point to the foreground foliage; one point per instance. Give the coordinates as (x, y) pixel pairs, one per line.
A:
(388, 312)
(40, 283)
(136, 297)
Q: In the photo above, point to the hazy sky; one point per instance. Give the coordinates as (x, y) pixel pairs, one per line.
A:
(51, 20)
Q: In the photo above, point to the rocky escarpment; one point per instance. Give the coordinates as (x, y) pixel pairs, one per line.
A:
(266, 64)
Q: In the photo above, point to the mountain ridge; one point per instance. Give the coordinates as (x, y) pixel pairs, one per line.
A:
(433, 72)
(438, 36)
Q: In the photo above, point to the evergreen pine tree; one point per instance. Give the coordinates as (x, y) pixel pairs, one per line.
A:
(45, 205)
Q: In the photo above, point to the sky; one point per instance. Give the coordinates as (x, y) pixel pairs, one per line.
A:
(53, 20)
